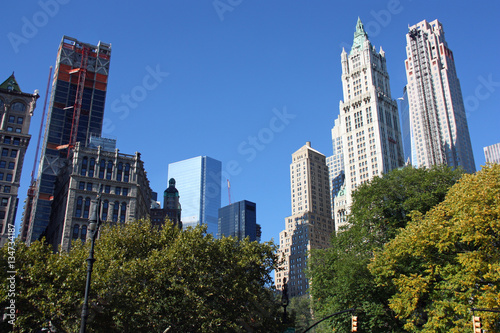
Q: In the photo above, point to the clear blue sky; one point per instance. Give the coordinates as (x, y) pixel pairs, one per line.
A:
(233, 69)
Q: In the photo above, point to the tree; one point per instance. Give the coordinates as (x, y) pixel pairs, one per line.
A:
(148, 280)
(448, 261)
(340, 276)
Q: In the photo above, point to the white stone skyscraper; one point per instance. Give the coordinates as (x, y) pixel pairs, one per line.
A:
(310, 225)
(436, 107)
(492, 153)
(368, 117)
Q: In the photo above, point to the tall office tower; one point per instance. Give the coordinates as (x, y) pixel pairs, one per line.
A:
(16, 109)
(76, 111)
(311, 224)
(238, 220)
(406, 130)
(492, 153)
(368, 118)
(437, 113)
(97, 168)
(335, 163)
(199, 181)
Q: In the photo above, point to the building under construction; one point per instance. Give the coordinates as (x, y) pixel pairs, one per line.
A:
(76, 111)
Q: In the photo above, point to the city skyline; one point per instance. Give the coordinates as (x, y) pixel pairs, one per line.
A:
(240, 87)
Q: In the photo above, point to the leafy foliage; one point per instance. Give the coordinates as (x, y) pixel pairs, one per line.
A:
(448, 260)
(148, 280)
(340, 275)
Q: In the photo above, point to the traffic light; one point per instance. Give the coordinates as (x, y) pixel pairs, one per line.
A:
(354, 323)
(476, 324)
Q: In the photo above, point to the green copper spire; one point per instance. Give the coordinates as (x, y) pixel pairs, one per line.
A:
(359, 36)
(10, 84)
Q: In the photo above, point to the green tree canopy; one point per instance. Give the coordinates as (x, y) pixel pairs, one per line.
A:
(147, 280)
(448, 261)
(339, 275)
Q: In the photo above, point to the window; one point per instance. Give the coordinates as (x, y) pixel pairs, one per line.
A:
(116, 207)
(79, 204)
(16, 141)
(2, 216)
(20, 120)
(12, 119)
(102, 167)
(1, 175)
(127, 173)
(86, 208)
(119, 172)
(105, 207)
(123, 212)
(91, 167)
(18, 106)
(76, 231)
(13, 153)
(109, 170)
(118, 190)
(125, 191)
(7, 139)
(12, 165)
(107, 189)
(9, 129)
(84, 166)
(5, 152)
(81, 186)
(6, 189)
(5, 202)
(3, 164)
(89, 186)
(83, 234)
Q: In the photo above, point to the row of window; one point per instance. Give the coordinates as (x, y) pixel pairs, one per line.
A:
(8, 177)
(11, 165)
(10, 140)
(105, 169)
(12, 153)
(118, 211)
(107, 188)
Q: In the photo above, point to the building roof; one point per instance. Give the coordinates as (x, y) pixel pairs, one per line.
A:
(360, 36)
(11, 84)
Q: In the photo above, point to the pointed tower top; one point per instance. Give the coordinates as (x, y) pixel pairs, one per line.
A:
(360, 36)
(11, 84)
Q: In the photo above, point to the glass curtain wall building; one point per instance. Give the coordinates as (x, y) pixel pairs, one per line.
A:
(238, 220)
(198, 181)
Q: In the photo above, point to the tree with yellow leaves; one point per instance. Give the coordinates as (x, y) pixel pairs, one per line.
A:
(447, 261)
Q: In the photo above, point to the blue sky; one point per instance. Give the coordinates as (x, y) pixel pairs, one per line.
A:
(245, 82)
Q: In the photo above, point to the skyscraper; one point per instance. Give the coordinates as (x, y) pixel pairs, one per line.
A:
(311, 224)
(76, 111)
(16, 109)
(199, 181)
(368, 119)
(492, 153)
(238, 220)
(436, 107)
(335, 163)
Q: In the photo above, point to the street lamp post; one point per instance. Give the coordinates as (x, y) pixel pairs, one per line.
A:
(94, 223)
(284, 299)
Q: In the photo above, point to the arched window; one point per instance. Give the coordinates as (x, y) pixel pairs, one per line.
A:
(126, 175)
(105, 207)
(116, 207)
(123, 212)
(119, 171)
(102, 167)
(91, 167)
(84, 166)
(79, 204)
(83, 234)
(109, 170)
(18, 106)
(86, 208)
(76, 231)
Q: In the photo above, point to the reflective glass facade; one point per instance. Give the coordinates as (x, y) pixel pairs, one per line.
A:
(198, 181)
(238, 220)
